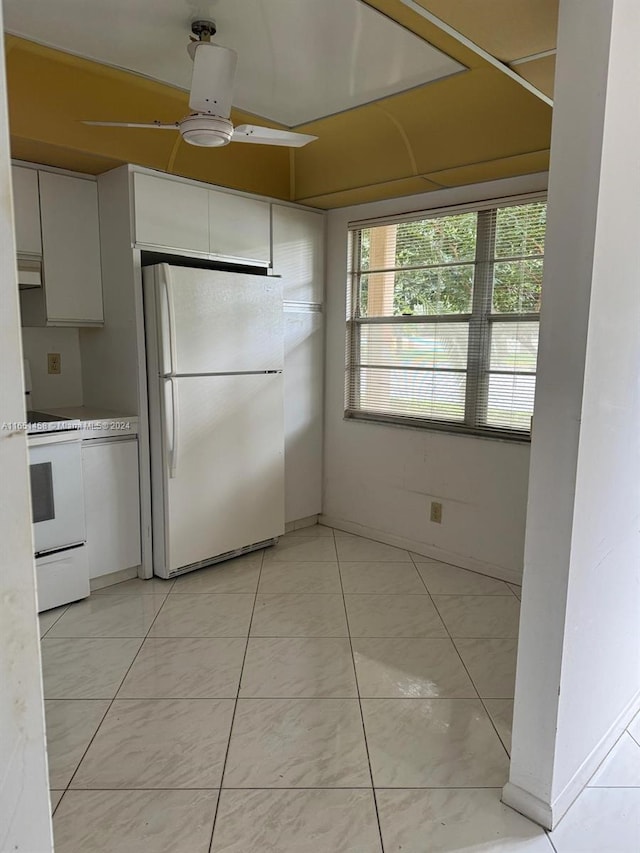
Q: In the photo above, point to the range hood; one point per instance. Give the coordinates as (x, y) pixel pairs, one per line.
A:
(29, 272)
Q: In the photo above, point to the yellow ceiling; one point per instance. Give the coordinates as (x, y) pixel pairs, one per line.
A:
(507, 29)
(476, 125)
(50, 92)
(541, 72)
(510, 30)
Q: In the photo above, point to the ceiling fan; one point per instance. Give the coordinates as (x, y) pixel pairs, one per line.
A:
(210, 99)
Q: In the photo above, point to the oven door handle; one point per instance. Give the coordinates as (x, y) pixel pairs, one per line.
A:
(175, 428)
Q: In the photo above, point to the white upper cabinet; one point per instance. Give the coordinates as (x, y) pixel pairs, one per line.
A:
(26, 205)
(71, 294)
(298, 253)
(171, 214)
(239, 227)
(71, 250)
(182, 217)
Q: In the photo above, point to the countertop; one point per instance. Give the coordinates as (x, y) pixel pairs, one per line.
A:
(97, 423)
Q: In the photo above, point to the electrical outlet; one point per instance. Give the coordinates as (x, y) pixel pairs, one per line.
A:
(436, 512)
(53, 362)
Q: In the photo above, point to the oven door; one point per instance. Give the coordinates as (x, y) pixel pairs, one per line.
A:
(57, 499)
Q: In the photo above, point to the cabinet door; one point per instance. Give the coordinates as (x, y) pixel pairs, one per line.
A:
(239, 227)
(303, 394)
(26, 205)
(298, 253)
(71, 250)
(171, 214)
(112, 505)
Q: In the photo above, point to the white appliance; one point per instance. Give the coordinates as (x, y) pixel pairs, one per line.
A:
(57, 503)
(216, 413)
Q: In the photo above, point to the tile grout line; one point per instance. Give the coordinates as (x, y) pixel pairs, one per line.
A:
(57, 619)
(453, 643)
(355, 673)
(324, 788)
(235, 706)
(547, 833)
(135, 657)
(248, 637)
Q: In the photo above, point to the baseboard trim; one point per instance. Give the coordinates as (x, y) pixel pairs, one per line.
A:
(300, 523)
(549, 815)
(527, 804)
(113, 577)
(460, 560)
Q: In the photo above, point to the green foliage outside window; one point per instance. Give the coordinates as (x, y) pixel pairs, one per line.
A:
(436, 260)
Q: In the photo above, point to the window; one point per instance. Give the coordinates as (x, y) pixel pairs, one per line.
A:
(443, 315)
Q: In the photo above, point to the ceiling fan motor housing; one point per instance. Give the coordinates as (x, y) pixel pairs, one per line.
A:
(206, 131)
(214, 68)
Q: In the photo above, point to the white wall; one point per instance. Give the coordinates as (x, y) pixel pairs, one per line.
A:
(379, 480)
(65, 388)
(578, 681)
(25, 823)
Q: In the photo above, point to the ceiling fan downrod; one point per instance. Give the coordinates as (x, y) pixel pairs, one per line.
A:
(203, 30)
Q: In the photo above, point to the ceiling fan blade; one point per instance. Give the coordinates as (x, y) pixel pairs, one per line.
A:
(214, 68)
(157, 124)
(270, 136)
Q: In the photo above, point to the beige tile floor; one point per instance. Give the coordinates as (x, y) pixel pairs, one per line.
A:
(332, 695)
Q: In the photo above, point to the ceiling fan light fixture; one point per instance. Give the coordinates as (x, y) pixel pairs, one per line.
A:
(210, 100)
(206, 131)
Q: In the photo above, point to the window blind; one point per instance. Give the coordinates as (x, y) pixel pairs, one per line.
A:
(442, 321)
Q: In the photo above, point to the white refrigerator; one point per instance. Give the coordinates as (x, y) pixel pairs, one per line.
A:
(214, 345)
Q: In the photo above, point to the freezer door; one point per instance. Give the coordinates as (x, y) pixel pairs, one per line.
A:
(218, 322)
(227, 488)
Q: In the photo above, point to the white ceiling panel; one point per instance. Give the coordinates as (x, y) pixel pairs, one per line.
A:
(298, 60)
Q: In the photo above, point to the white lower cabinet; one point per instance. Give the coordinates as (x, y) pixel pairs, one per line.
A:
(112, 504)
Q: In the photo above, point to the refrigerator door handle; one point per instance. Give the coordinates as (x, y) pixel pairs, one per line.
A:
(167, 282)
(175, 427)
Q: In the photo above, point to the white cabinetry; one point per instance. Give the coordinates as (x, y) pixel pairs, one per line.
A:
(71, 249)
(171, 214)
(298, 252)
(26, 206)
(71, 294)
(239, 227)
(112, 504)
(298, 256)
(181, 217)
(303, 396)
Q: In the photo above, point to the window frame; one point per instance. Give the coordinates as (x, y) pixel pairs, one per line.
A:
(480, 319)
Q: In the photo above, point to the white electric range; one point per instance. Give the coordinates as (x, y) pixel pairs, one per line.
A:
(57, 502)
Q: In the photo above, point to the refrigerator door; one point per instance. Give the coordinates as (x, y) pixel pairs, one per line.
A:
(211, 321)
(222, 467)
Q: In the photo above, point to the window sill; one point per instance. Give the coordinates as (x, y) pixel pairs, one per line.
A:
(435, 427)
